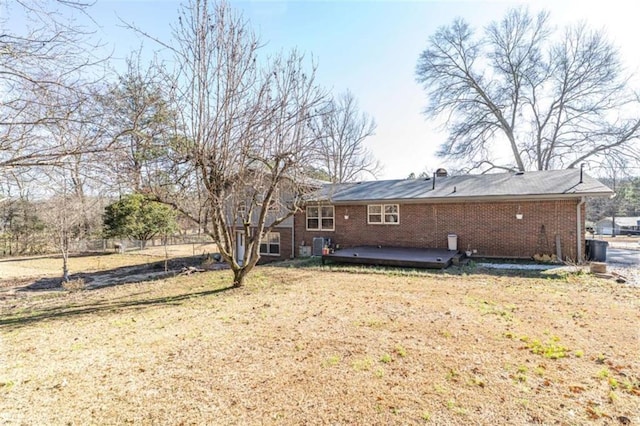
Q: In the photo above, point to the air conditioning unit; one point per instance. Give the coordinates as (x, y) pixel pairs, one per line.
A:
(318, 245)
(305, 251)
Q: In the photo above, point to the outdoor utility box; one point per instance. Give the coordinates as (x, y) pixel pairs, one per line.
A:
(305, 251)
(452, 242)
(596, 250)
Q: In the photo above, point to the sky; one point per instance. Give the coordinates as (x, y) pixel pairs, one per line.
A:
(369, 47)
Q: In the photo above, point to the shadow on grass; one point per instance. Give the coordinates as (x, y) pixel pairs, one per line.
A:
(56, 312)
(116, 276)
(315, 263)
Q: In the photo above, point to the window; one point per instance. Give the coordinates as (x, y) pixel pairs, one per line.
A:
(274, 205)
(320, 218)
(383, 214)
(242, 209)
(391, 213)
(374, 214)
(270, 244)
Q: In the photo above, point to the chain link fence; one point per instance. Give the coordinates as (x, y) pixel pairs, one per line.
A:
(37, 244)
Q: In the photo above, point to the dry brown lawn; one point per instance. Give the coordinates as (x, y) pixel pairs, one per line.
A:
(23, 268)
(323, 346)
(51, 265)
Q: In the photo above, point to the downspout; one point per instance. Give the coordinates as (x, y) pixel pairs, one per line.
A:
(579, 233)
(293, 236)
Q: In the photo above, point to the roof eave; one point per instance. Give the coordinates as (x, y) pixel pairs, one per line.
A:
(460, 199)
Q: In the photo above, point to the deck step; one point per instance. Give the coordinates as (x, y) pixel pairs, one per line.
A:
(458, 259)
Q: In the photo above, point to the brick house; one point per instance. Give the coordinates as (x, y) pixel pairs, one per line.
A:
(507, 215)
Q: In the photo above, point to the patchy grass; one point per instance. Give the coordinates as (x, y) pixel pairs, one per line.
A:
(320, 346)
(17, 268)
(40, 266)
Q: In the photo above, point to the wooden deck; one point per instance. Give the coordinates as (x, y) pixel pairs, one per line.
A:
(393, 256)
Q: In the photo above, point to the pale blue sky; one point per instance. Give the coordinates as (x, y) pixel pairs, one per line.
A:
(371, 48)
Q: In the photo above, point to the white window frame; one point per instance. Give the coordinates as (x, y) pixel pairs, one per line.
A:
(383, 214)
(242, 209)
(266, 239)
(274, 205)
(320, 217)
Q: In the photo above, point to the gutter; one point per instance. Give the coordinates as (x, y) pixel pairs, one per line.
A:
(293, 237)
(579, 233)
(459, 199)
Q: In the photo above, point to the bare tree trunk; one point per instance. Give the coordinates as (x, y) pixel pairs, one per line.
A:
(239, 276)
(65, 257)
(166, 254)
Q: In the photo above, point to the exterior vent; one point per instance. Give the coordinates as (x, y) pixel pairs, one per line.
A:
(441, 172)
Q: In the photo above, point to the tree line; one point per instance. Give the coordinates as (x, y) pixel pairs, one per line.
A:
(626, 203)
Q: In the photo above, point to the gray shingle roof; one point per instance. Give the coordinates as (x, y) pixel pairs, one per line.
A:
(538, 184)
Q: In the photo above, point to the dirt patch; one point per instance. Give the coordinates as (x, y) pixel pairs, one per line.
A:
(315, 346)
(51, 265)
(42, 273)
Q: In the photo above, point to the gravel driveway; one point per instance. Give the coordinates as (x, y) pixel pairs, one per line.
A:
(624, 261)
(622, 258)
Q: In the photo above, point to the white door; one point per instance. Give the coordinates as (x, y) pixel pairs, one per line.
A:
(240, 246)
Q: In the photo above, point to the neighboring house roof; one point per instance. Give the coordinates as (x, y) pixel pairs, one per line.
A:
(528, 185)
(317, 183)
(621, 221)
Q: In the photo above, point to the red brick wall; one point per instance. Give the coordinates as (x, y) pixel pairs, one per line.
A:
(285, 247)
(490, 228)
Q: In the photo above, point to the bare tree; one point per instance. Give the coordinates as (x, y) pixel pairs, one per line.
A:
(342, 132)
(548, 100)
(69, 214)
(243, 133)
(62, 215)
(49, 61)
(73, 179)
(50, 128)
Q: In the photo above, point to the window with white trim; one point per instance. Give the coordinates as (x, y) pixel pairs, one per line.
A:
(242, 208)
(320, 218)
(270, 244)
(274, 205)
(383, 214)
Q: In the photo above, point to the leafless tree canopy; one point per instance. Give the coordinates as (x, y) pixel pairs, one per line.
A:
(342, 132)
(546, 99)
(44, 75)
(243, 132)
